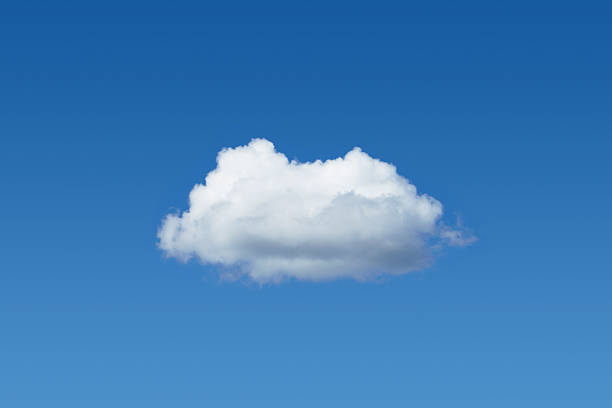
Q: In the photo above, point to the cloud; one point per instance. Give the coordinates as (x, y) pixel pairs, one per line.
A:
(262, 216)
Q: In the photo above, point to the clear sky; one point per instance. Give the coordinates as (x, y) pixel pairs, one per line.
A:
(110, 113)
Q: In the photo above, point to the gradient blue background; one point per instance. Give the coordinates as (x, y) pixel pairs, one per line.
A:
(110, 113)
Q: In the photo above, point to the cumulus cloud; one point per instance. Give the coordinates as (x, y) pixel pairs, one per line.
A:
(265, 217)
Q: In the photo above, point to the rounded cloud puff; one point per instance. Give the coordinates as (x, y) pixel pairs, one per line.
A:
(268, 218)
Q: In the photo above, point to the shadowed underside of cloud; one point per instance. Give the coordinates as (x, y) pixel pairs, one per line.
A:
(262, 216)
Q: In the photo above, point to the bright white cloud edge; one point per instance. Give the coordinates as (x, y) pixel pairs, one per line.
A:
(266, 218)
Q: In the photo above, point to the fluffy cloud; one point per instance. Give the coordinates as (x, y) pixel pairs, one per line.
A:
(260, 215)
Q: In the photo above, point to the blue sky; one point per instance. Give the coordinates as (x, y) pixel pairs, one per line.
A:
(109, 114)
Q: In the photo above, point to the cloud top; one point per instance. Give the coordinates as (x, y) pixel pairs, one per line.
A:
(262, 216)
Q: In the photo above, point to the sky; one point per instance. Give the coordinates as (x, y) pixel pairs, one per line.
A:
(112, 112)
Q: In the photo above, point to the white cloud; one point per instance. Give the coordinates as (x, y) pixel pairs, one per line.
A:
(260, 215)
